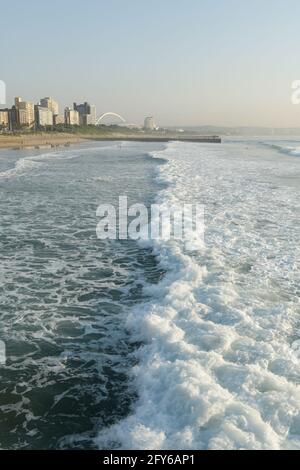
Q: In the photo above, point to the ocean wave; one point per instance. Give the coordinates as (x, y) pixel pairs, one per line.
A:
(65, 295)
(21, 166)
(286, 149)
(216, 369)
(30, 162)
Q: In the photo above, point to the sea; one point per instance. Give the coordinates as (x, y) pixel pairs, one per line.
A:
(119, 344)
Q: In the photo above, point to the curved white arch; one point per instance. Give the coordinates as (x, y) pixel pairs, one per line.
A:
(109, 114)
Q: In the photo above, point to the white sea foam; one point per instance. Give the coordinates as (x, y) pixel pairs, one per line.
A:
(219, 368)
(65, 295)
(292, 150)
(30, 162)
(21, 166)
(295, 151)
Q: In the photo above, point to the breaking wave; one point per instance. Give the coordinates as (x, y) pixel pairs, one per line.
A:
(292, 150)
(219, 363)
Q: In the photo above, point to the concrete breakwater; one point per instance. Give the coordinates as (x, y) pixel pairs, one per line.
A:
(138, 138)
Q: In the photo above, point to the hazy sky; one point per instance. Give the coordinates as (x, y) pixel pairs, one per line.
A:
(191, 62)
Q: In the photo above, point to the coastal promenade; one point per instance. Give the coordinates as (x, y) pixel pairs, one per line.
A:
(49, 140)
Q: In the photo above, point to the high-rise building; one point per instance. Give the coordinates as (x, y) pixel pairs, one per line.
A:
(23, 117)
(58, 119)
(87, 113)
(50, 103)
(71, 117)
(25, 112)
(92, 116)
(18, 100)
(12, 118)
(149, 124)
(43, 116)
(4, 118)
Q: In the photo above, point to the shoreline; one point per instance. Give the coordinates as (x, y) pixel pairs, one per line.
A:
(36, 141)
(196, 139)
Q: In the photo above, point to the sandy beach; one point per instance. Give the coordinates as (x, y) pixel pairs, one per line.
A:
(38, 140)
(64, 139)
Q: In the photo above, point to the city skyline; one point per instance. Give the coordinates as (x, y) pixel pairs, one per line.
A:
(188, 64)
(45, 113)
(195, 63)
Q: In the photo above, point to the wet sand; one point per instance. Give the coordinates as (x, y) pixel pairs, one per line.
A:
(38, 140)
